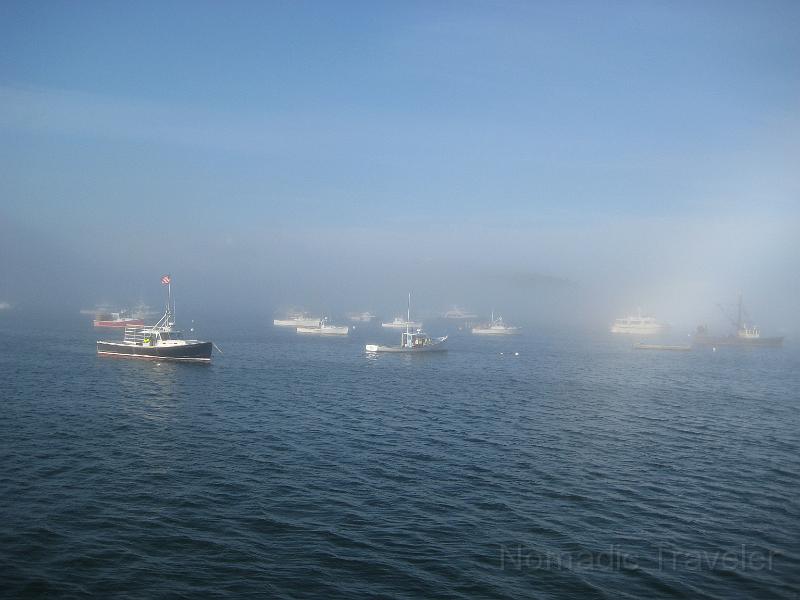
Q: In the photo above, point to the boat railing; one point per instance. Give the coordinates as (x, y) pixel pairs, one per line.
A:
(134, 335)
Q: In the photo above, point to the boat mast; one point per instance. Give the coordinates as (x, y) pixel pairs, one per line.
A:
(739, 315)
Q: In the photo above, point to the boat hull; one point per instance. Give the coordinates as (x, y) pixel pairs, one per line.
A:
(478, 331)
(654, 330)
(296, 322)
(372, 348)
(191, 352)
(733, 340)
(121, 324)
(676, 348)
(324, 330)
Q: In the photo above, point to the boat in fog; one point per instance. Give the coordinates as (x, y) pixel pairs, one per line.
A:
(363, 317)
(324, 327)
(297, 319)
(401, 323)
(638, 325)
(104, 316)
(412, 340)
(117, 319)
(459, 313)
(496, 327)
(161, 341)
(744, 334)
(673, 348)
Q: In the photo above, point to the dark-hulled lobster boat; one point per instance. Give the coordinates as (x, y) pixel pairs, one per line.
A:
(158, 342)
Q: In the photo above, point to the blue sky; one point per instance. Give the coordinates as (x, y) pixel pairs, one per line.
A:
(494, 121)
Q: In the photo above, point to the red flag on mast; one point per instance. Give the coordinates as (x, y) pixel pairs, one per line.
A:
(166, 279)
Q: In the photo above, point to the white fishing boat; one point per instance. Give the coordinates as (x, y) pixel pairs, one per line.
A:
(323, 327)
(638, 325)
(363, 317)
(401, 323)
(297, 319)
(412, 341)
(459, 313)
(496, 327)
(744, 335)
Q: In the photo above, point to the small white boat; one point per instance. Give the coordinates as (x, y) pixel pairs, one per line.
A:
(323, 327)
(401, 323)
(364, 317)
(496, 327)
(459, 313)
(297, 319)
(412, 341)
(638, 325)
(417, 341)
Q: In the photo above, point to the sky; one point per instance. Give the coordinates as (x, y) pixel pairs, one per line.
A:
(587, 157)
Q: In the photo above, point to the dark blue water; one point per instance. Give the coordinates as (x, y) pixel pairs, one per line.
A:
(298, 467)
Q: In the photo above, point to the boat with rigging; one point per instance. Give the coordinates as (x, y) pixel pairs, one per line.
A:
(324, 327)
(638, 325)
(412, 339)
(745, 334)
(496, 327)
(161, 341)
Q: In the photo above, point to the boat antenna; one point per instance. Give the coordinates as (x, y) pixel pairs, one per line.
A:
(408, 313)
(170, 305)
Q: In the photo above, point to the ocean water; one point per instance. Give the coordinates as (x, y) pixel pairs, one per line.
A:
(302, 468)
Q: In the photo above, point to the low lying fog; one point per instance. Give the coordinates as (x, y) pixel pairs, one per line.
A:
(580, 274)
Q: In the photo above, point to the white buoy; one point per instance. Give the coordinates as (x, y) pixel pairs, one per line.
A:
(516, 353)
